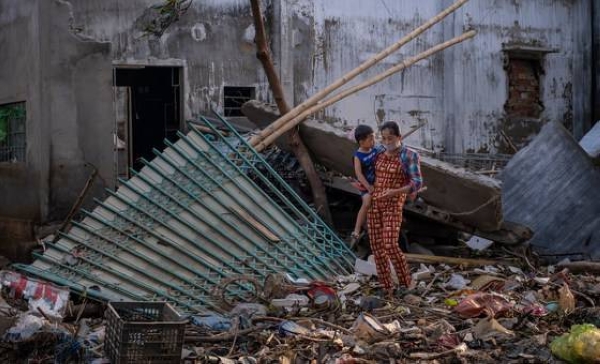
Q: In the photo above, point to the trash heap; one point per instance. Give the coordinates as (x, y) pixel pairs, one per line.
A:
(494, 313)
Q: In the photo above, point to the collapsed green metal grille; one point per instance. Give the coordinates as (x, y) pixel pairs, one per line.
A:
(206, 209)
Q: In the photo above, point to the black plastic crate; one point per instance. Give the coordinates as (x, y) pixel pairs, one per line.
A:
(143, 332)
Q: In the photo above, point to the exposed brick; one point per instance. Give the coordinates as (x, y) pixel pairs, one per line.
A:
(523, 89)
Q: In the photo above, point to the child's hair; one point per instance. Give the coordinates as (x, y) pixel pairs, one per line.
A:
(362, 132)
(392, 126)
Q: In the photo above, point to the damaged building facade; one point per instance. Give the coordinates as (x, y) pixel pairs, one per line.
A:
(89, 88)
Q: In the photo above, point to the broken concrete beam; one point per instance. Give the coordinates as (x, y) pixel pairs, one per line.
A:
(552, 186)
(470, 198)
(509, 233)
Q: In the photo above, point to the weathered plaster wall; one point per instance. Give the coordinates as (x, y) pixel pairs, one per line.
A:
(477, 91)
(596, 60)
(461, 92)
(78, 82)
(65, 81)
(22, 186)
(213, 41)
(62, 55)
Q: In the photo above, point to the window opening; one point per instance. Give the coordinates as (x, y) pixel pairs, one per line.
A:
(234, 98)
(12, 132)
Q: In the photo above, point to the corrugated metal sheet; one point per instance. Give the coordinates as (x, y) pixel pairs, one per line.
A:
(206, 209)
(552, 186)
(591, 141)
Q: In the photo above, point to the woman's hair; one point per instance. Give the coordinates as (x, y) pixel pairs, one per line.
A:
(362, 132)
(392, 126)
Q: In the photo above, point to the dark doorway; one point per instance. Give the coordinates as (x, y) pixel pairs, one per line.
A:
(152, 111)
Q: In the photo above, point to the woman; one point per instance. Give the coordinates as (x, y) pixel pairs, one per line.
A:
(397, 174)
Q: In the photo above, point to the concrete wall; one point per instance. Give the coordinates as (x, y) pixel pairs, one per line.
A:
(596, 60)
(461, 92)
(213, 42)
(23, 189)
(62, 56)
(65, 81)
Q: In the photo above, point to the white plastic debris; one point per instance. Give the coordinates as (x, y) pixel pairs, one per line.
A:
(292, 300)
(24, 328)
(478, 243)
(365, 267)
(457, 281)
(393, 326)
(516, 270)
(349, 288)
(424, 273)
(300, 281)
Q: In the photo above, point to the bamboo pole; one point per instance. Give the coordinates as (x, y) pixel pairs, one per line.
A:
(352, 74)
(437, 259)
(397, 68)
(295, 142)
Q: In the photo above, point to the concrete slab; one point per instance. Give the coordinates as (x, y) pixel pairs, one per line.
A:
(552, 186)
(471, 198)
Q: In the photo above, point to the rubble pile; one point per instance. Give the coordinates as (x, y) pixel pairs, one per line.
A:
(491, 313)
(488, 314)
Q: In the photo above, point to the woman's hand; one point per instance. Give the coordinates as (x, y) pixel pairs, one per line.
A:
(394, 192)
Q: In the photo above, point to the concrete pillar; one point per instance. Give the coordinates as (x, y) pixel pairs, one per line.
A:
(282, 47)
(582, 67)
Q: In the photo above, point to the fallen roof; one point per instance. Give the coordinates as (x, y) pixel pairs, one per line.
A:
(552, 186)
(206, 209)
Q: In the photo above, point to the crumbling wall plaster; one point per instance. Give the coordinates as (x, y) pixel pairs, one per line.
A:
(214, 39)
(462, 91)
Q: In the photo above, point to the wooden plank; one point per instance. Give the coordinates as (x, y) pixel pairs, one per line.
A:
(437, 259)
(260, 227)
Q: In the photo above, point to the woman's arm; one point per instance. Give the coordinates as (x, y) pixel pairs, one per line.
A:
(412, 163)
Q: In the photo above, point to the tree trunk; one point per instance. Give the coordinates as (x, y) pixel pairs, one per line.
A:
(294, 140)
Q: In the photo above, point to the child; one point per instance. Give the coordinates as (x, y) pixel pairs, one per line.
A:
(364, 168)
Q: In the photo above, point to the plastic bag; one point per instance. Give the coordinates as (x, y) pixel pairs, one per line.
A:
(581, 345)
(25, 327)
(212, 322)
(476, 304)
(51, 299)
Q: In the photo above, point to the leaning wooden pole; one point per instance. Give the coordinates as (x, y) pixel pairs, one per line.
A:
(352, 74)
(294, 140)
(395, 69)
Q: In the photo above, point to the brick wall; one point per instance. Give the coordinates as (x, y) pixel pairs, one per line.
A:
(523, 89)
